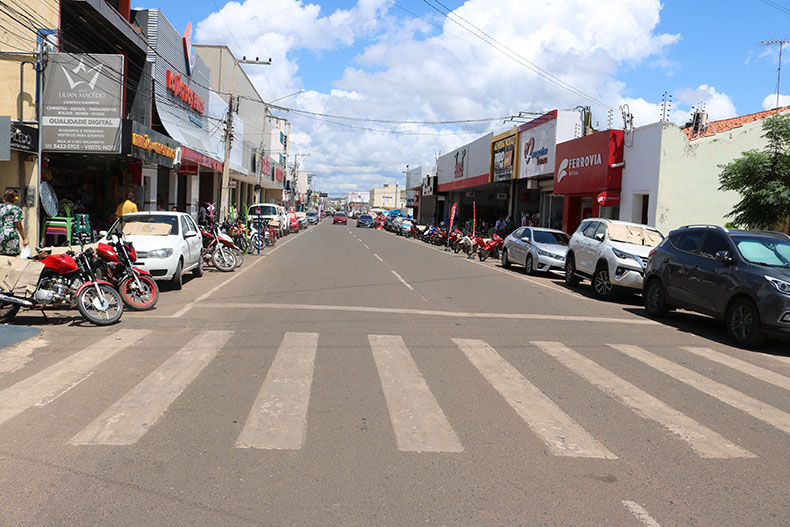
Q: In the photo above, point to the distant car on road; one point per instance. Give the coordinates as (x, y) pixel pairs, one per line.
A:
(339, 217)
(312, 217)
(365, 220)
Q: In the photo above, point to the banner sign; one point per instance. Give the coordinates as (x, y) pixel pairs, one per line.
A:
(452, 216)
(474, 217)
(24, 138)
(503, 158)
(83, 103)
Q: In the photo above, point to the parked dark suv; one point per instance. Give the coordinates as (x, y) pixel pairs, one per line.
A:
(740, 277)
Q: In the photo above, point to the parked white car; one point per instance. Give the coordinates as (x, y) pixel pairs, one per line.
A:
(535, 248)
(610, 254)
(271, 212)
(168, 244)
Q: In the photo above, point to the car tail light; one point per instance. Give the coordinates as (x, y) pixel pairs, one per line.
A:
(651, 253)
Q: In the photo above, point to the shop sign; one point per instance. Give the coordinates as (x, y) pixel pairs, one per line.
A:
(590, 163)
(82, 103)
(24, 138)
(608, 198)
(460, 157)
(188, 170)
(144, 142)
(428, 185)
(501, 195)
(503, 153)
(189, 52)
(179, 89)
(279, 175)
(232, 183)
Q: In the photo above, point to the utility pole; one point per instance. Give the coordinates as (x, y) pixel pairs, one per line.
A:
(295, 176)
(781, 43)
(233, 107)
(267, 114)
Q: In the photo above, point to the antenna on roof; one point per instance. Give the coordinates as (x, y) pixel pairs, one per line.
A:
(781, 43)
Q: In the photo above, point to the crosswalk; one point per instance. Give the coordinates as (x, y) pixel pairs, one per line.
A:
(278, 418)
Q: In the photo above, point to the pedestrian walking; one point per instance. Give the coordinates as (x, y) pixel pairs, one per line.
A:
(11, 229)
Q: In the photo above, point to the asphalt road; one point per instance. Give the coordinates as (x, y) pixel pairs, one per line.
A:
(352, 377)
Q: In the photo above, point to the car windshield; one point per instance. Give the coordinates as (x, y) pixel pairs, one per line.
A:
(764, 250)
(311, 213)
(634, 234)
(152, 225)
(265, 210)
(340, 214)
(365, 217)
(552, 238)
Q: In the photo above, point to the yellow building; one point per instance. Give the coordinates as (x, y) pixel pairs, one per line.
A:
(19, 44)
(385, 198)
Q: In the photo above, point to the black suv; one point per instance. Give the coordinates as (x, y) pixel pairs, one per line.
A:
(740, 277)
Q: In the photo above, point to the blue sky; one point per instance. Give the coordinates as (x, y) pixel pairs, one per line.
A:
(374, 59)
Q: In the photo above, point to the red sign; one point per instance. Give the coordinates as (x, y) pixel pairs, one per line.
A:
(589, 164)
(187, 154)
(188, 170)
(189, 52)
(608, 198)
(184, 92)
(279, 174)
(452, 216)
(266, 166)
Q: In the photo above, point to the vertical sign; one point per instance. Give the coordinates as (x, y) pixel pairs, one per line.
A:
(83, 103)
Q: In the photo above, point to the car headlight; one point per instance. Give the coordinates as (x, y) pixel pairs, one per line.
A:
(160, 253)
(780, 285)
(548, 254)
(626, 256)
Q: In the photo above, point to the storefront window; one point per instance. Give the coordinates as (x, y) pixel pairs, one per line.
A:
(611, 213)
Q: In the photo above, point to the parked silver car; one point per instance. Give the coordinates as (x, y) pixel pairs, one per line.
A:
(536, 248)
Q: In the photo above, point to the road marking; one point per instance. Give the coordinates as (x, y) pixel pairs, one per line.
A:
(704, 441)
(136, 412)
(417, 420)
(278, 417)
(641, 514)
(377, 256)
(563, 435)
(402, 280)
(427, 312)
(742, 366)
(204, 296)
(45, 401)
(741, 401)
(50, 381)
(16, 356)
(366, 245)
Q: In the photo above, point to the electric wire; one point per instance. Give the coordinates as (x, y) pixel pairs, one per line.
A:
(776, 6)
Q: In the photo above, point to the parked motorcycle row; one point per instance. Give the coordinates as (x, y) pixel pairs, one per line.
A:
(456, 239)
(102, 281)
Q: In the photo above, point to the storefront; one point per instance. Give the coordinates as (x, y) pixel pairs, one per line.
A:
(19, 170)
(537, 154)
(181, 100)
(589, 177)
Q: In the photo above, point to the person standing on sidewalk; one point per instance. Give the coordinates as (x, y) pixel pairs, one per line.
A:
(11, 228)
(126, 207)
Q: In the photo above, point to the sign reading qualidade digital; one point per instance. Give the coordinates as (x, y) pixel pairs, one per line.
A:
(82, 103)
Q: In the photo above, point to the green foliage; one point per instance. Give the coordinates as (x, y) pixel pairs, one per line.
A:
(762, 178)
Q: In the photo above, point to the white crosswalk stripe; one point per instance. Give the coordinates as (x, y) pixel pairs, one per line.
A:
(725, 394)
(136, 412)
(55, 380)
(278, 418)
(742, 366)
(704, 441)
(563, 435)
(419, 423)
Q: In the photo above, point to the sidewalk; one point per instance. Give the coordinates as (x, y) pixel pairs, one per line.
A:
(10, 335)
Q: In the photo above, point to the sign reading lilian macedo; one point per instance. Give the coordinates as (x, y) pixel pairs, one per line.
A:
(82, 103)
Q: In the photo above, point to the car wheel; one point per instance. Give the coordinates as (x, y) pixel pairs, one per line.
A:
(655, 298)
(505, 260)
(528, 265)
(602, 286)
(743, 323)
(177, 281)
(570, 272)
(197, 272)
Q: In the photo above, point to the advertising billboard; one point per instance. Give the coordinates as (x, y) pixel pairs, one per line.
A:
(590, 164)
(83, 103)
(538, 141)
(503, 156)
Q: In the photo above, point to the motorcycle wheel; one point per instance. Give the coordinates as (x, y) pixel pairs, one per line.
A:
(241, 242)
(8, 311)
(93, 311)
(223, 259)
(483, 255)
(239, 258)
(139, 300)
(256, 242)
(457, 248)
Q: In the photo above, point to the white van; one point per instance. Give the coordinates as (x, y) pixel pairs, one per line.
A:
(271, 212)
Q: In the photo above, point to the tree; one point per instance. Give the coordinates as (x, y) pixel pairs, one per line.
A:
(762, 178)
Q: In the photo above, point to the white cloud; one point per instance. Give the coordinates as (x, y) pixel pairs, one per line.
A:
(718, 105)
(406, 69)
(769, 103)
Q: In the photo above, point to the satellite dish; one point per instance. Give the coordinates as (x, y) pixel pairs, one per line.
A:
(48, 199)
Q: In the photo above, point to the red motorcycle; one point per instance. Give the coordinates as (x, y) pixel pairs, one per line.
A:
(492, 247)
(218, 249)
(115, 262)
(68, 279)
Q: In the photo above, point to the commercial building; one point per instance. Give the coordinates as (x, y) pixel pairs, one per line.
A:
(388, 197)
(356, 201)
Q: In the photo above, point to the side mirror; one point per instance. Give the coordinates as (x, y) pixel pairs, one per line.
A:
(526, 239)
(599, 236)
(190, 234)
(724, 257)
